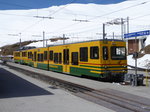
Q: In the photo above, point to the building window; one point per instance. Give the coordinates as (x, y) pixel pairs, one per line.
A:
(83, 54)
(94, 52)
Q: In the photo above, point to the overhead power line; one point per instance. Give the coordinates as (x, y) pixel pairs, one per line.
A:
(48, 16)
(120, 10)
(142, 3)
(140, 16)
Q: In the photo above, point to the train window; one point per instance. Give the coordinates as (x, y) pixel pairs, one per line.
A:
(74, 58)
(38, 57)
(24, 54)
(94, 52)
(66, 56)
(35, 56)
(17, 54)
(83, 54)
(60, 58)
(30, 55)
(51, 55)
(55, 57)
(105, 53)
(45, 55)
(42, 57)
(118, 53)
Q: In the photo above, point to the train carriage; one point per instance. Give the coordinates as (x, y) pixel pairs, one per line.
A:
(98, 58)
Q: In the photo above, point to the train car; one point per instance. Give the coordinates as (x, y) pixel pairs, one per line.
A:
(17, 56)
(98, 58)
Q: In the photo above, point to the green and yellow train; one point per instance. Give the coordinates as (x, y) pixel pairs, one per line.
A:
(98, 58)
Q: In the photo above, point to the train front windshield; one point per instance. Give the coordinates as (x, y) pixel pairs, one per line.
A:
(118, 53)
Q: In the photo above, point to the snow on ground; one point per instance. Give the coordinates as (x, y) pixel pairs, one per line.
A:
(143, 62)
(147, 42)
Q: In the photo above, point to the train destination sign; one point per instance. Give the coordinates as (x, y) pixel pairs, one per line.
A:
(136, 34)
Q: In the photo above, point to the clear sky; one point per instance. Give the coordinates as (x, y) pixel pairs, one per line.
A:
(36, 4)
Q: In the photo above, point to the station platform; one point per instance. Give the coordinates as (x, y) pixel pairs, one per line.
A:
(142, 91)
(21, 93)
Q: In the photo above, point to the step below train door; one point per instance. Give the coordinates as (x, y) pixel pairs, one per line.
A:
(66, 68)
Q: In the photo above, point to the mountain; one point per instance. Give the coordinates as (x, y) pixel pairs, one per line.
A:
(37, 4)
(77, 21)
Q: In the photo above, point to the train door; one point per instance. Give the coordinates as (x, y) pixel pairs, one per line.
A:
(66, 60)
(35, 59)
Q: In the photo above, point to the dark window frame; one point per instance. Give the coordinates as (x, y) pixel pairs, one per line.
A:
(66, 56)
(56, 58)
(59, 58)
(51, 55)
(45, 55)
(84, 54)
(35, 56)
(94, 52)
(40, 57)
(115, 56)
(75, 58)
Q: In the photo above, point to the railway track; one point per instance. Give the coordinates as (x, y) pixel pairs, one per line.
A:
(116, 102)
(109, 98)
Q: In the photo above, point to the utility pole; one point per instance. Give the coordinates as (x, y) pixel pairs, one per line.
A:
(135, 56)
(104, 31)
(122, 28)
(43, 39)
(113, 35)
(127, 25)
(20, 40)
(20, 48)
(63, 39)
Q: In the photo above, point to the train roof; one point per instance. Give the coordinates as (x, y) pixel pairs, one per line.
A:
(117, 40)
(26, 48)
(32, 47)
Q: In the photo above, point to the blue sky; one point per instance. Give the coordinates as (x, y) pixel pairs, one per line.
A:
(36, 4)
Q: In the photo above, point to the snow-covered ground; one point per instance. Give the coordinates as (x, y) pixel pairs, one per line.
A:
(147, 42)
(143, 62)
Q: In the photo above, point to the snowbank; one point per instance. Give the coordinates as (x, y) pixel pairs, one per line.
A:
(147, 42)
(143, 62)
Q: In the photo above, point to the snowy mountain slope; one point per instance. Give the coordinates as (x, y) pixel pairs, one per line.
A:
(36, 4)
(16, 24)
